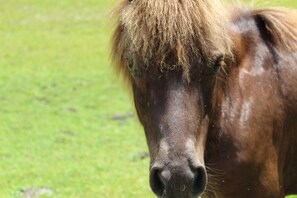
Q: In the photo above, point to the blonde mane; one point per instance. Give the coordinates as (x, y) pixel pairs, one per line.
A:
(169, 33)
(281, 24)
(179, 34)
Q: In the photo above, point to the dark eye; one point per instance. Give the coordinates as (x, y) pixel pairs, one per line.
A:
(216, 65)
(130, 1)
(135, 72)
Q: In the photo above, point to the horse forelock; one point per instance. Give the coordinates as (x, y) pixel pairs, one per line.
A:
(170, 33)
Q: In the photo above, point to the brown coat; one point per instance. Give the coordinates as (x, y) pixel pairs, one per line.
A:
(215, 88)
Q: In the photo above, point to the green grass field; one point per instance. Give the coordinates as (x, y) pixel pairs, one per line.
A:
(66, 123)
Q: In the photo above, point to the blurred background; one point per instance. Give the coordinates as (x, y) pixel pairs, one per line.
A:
(67, 124)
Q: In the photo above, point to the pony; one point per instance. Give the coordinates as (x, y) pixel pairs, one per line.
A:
(215, 89)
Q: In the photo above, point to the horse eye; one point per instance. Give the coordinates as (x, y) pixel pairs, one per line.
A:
(135, 72)
(130, 66)
(219, 61)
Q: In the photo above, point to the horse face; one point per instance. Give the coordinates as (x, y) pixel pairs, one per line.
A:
(167, 57)
(172, 111)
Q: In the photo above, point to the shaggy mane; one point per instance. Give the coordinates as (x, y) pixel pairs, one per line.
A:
(179, 34)
(281, 24)
(169, 34)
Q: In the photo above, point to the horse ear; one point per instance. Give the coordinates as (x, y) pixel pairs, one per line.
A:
(279, 26)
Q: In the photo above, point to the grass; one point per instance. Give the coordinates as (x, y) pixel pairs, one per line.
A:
(65, 120)
(58, 98)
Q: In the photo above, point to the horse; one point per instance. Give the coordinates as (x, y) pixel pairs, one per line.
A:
(215, 88)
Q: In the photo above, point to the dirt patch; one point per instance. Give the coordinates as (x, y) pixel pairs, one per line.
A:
(37, 192)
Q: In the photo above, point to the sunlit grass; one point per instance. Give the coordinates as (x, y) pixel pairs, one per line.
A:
(58, 100)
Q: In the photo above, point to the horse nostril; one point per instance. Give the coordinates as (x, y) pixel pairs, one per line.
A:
(158, 181)
(199, 183)
(178, 181)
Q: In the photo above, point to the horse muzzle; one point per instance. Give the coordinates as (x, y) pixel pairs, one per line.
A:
(178, 179)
